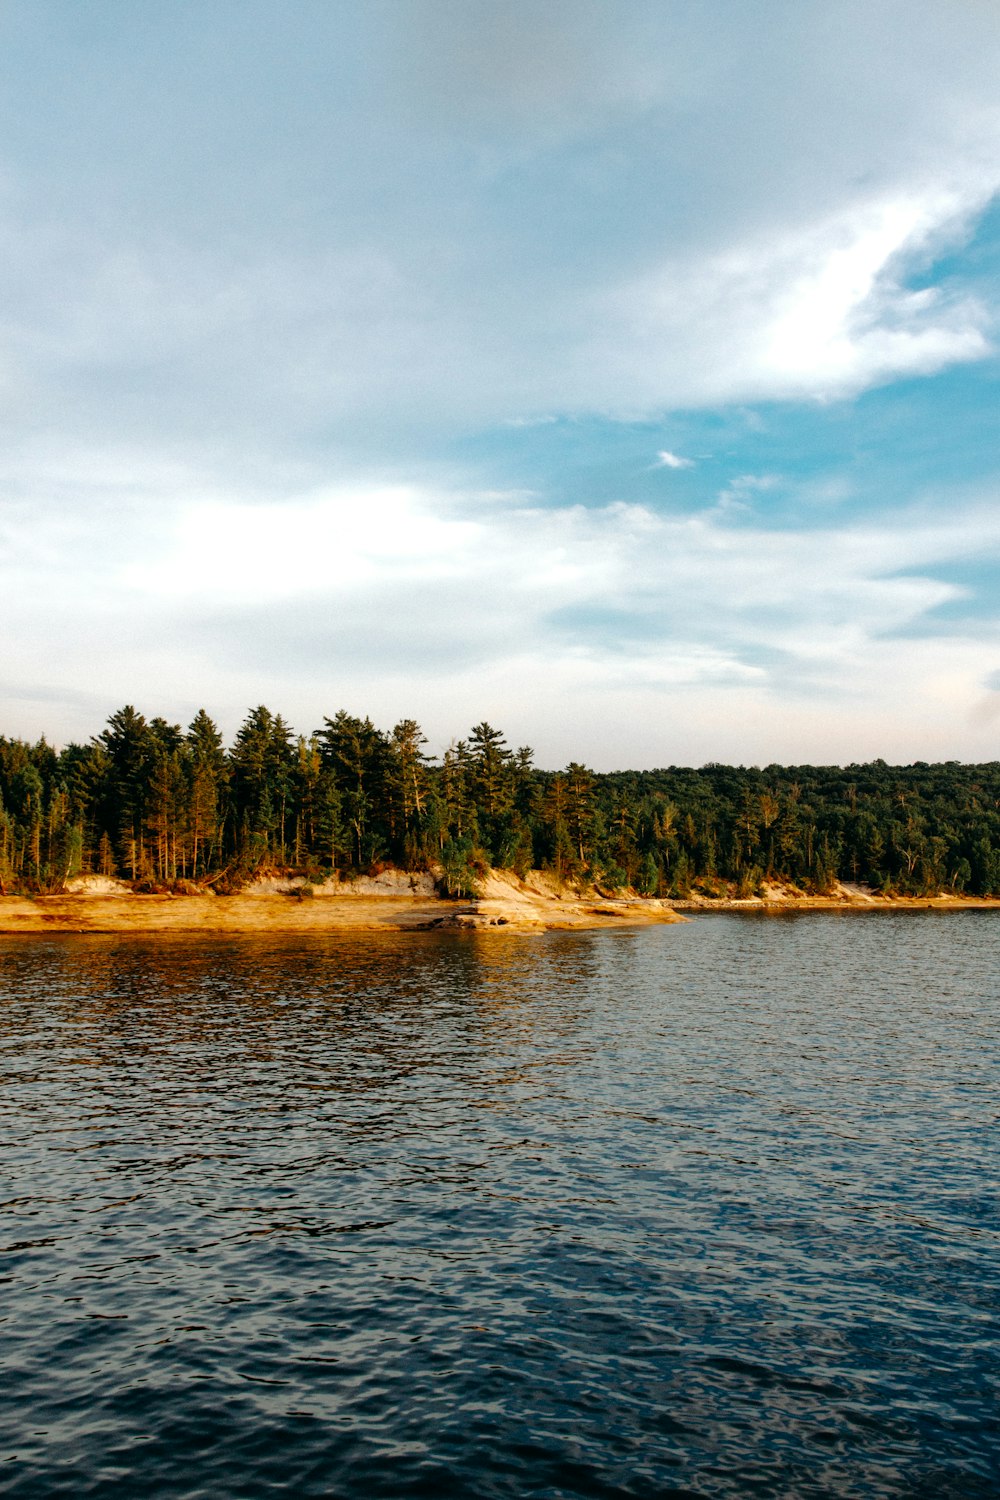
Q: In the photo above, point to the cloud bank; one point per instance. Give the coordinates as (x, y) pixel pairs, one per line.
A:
(409, 600)
(286, 291)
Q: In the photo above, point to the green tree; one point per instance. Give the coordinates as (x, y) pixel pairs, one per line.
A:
(407, 778)
(206, 770)
(130, 750)
(357, 755)
(261, 764)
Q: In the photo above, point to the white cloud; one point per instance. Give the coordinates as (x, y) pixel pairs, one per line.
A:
(407, 599)
(477, 237)
(738, 494)
(611, 207)
(820, 309)
(342, 540)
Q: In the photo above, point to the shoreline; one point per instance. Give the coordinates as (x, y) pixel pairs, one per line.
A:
(792, 904)
(393, 904)
(507, 904)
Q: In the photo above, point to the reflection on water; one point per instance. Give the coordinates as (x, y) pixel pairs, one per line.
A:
(706, 1211)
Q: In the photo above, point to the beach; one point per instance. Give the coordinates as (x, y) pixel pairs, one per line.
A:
(393, 901)
(399, 902)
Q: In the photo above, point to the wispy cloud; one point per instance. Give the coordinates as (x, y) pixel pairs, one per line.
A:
(816, 310)
(533, 272)
(406, 599)
(274, 379)
(739, 492)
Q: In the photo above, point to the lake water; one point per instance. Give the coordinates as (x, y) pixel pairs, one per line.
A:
(707, 1210)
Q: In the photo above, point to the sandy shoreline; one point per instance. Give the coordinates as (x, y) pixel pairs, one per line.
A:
(836, 903)
(845, 897)
(507, 904)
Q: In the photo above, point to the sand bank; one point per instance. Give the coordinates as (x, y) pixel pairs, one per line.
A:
(397, 902)
(393, 902)
(845, 896)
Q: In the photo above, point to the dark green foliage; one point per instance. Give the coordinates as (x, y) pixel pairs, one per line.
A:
(360, 763)
(262, 765)
(460, 867)
(150, 802)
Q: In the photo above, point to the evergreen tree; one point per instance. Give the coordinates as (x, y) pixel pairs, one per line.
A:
(206, 773)
(261, 771)
(129, 747)
(358, 756)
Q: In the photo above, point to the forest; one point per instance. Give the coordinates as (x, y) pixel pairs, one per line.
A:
(169, 808)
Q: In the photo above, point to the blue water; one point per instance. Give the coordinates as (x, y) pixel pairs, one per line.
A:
(707, 1210)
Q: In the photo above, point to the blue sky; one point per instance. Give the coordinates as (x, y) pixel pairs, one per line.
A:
(623, 373)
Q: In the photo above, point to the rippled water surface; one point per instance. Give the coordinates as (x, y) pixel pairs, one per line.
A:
(706, 1210)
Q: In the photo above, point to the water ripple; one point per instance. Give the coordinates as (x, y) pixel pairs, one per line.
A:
(701, 1211)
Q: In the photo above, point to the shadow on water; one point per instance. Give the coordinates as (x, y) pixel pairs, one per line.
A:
(707, 1210)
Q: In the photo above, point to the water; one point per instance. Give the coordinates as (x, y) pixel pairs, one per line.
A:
(707, 1210)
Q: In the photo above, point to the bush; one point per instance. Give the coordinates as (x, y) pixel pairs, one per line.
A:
(462, 865)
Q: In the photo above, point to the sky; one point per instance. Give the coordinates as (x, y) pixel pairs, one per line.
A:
(622, 373)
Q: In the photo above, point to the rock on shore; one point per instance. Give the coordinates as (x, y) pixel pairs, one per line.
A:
(393, 900)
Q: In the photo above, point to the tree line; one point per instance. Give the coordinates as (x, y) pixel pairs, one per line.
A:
(159, 805)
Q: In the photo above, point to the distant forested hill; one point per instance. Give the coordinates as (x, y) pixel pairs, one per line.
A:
(152, 802)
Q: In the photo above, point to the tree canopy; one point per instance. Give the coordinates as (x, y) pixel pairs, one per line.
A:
(151, 802)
